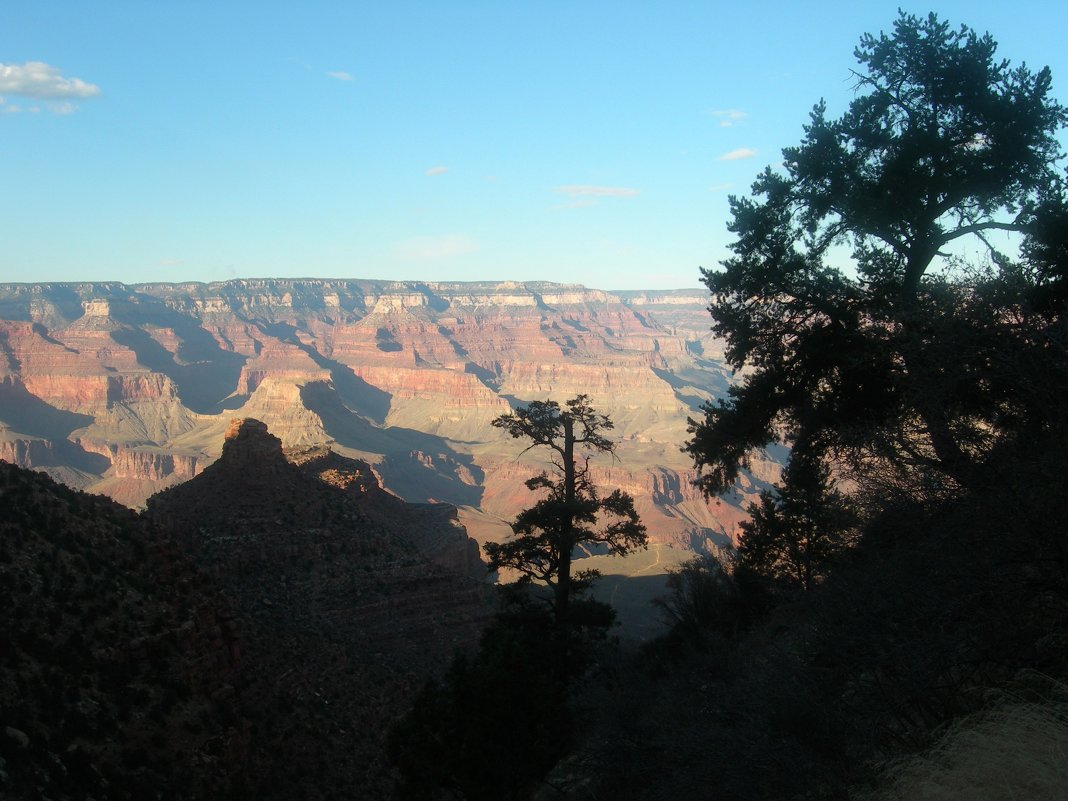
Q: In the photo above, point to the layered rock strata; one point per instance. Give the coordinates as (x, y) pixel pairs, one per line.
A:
(129, 389)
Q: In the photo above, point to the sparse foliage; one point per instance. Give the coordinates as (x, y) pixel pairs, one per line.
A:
(571, 513)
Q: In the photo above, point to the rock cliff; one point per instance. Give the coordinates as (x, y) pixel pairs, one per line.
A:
(129, 389)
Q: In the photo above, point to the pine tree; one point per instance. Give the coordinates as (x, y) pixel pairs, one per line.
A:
(571, 513)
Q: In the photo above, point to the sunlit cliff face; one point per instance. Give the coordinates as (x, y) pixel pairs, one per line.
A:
(128, 389)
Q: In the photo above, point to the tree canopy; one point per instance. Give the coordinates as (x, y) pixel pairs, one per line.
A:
(865, 333)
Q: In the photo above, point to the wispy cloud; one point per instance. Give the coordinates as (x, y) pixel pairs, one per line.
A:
(740, 153)
(341, 75)
(721, 187)
(170, 262)
(586, 190)
(728, 117)
(438, 170)
(435, 248)
(38, 79)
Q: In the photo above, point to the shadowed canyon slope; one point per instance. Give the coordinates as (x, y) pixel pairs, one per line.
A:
(251, 635)
(126, 390)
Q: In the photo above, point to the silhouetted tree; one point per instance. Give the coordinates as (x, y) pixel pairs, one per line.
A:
(794, 534)
(571, 513)
(867, 338)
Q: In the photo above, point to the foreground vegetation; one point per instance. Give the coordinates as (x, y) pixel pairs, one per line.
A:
(910, 571)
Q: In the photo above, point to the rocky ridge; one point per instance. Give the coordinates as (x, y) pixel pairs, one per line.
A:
(117, 655)
(251, 635)
(349, 601)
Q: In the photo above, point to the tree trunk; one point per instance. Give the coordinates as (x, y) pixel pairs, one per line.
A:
(567, 523)
(924, 376)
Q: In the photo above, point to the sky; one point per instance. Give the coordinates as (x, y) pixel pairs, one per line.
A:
(580, 142)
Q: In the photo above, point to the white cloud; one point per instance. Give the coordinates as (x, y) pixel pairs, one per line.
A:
(740, 153)
(727, 117)
(170, 262)
(438, 170)
(720, 187)
(65, 107)
(584, 190)
(37, 79)
(430, 248)
(341, 75)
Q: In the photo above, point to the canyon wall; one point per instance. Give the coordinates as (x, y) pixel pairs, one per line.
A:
(128, 389)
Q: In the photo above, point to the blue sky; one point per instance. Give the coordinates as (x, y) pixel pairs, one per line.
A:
(588, 142)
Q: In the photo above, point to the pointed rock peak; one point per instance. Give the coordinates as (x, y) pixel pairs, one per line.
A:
(248, 439)
(245, 427)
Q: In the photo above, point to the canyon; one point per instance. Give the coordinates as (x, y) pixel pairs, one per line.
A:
(125, 390)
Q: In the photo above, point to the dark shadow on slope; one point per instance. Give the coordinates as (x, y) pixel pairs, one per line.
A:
(149, 352)
(459, 349)
(686, 391)
(204, 374)
(513, 401)
(233, 402)
(287, 332)
(416, 466)
(363, 398)
(386, 342)
(66, 302)
(556, 335)
(13, 363)
(701, 536)
(42, 332)
(27, 414)
(489, 379)
(209, 373)
(575, 324)
(433, 301)
(359, 396)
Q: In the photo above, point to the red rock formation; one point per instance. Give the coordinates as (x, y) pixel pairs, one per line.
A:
(405, 375)
(30, 453)
(143, 463)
